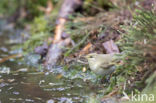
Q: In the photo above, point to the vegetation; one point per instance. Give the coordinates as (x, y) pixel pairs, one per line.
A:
(138, 58)
(134, 44)
(135, 38)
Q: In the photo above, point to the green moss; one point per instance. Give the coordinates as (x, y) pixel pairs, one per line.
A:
(5, 6)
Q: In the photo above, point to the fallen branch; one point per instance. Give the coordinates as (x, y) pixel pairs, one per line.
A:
(10, 57)
(55, 50)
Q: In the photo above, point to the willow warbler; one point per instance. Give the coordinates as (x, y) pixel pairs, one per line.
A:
(101, 64)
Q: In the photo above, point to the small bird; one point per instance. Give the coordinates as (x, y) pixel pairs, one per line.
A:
(101, 64)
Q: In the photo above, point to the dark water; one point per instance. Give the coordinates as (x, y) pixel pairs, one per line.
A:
(24, 84)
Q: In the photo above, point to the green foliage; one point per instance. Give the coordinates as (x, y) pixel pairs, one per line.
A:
(140, 34)
(42, 28)
(32, 6)
(80, 31)
(5, 6)
(134, 45)
(92, 6)
(39, 25)
(40, 31)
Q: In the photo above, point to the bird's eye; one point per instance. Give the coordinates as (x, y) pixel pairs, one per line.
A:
(91, 56)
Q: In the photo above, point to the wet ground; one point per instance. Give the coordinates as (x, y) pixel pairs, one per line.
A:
(20, 83)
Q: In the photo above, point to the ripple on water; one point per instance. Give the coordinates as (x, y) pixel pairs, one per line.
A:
(22, 83)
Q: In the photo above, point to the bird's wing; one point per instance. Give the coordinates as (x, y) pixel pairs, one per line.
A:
(106, 66)
(106, 61)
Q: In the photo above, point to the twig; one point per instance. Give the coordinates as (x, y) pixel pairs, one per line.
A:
(10, 57)
(78, 45)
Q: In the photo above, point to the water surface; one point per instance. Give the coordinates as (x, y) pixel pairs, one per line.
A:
(21, 83)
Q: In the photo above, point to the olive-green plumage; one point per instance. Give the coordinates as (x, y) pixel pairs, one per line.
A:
(101, 64)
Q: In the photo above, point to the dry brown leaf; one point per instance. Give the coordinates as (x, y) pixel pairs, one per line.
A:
(85, 50)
